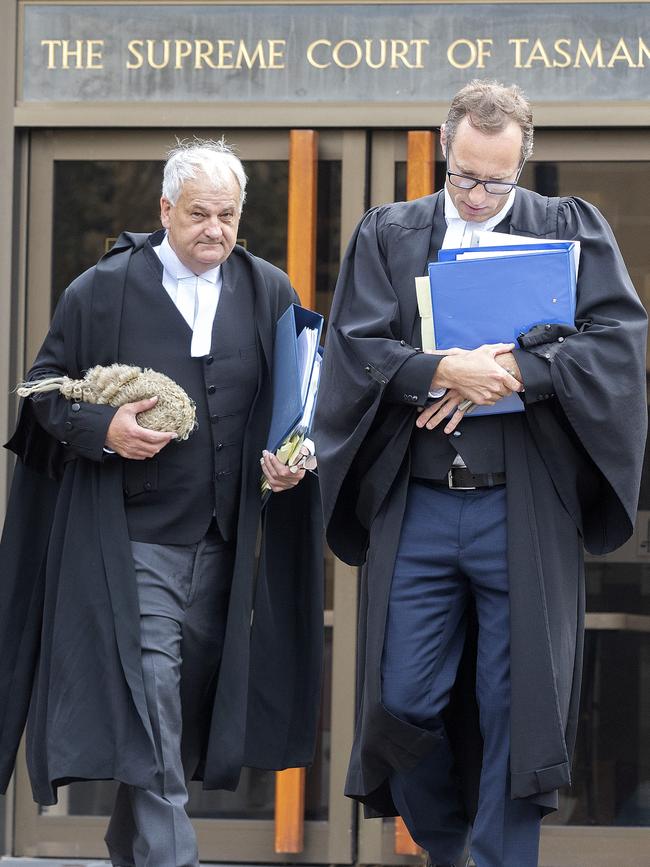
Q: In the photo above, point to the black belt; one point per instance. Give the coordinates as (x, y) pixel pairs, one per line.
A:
(461, 479)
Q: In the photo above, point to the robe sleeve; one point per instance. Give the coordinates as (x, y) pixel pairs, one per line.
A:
(412, 382)
(81, 427)
(536, 376)
(598, 373)
(361, 390)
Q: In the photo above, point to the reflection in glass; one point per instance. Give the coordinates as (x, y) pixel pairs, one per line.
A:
(400, 179)
(611, 768)
(612, 763)
(264, 220)
(94, 201)
(328, 234)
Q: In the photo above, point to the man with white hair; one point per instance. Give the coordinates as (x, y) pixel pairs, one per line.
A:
(139, 572)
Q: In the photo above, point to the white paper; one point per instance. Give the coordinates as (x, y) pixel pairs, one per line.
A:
(498, 239)
(310, 403)
(306, 345)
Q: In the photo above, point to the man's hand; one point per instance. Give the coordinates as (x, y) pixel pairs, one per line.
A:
(476, 375)
(279, 476)
(438, 411)
(509, 363)
(125, 436)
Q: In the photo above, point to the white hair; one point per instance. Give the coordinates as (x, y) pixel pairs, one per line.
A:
(214, 159)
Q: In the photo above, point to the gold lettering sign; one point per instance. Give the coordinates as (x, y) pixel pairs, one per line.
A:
(463, 53)
(206, 53)
(370, 53)
(349, 54)
(74, 53)
(565, 52)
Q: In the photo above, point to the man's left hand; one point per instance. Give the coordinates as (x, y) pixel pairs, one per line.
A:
(279, 476)
(443, 409)
(446, 408)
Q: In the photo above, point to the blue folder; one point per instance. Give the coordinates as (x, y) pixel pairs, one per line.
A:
(452, 253)
(496, 298)
(288, 405)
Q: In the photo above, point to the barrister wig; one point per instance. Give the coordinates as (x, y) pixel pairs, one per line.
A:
(118, 384)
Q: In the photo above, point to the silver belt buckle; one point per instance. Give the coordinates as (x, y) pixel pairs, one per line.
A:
(452, 486)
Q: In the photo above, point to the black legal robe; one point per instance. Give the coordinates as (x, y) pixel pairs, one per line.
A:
(69, 616)
(573, 464)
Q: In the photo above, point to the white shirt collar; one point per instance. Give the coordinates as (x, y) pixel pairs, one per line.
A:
(176, 269)
(451, 213)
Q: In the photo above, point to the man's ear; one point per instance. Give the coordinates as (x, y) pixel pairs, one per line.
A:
(443, 141)
(165, 207)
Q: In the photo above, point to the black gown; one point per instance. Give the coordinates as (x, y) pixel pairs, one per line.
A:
(573, 463)
(69, 616)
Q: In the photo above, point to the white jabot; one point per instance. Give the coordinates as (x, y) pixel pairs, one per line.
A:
(186, 298)
(459, 231)
(196, 296)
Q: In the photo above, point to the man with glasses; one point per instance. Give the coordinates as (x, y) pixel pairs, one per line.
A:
(470, 529)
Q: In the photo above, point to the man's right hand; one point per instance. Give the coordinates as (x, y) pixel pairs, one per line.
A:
(125, 436)
(476, 375)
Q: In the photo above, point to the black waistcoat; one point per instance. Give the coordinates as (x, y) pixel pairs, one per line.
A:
(170, 499)
(479, 441)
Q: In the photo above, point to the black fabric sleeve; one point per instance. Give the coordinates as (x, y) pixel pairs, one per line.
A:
(80, 426)
(412, 381)
(536, 376)
(599, 375)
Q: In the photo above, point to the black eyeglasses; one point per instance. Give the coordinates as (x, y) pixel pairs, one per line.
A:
(494, 188)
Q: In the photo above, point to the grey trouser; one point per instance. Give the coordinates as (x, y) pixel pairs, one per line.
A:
(183, 592)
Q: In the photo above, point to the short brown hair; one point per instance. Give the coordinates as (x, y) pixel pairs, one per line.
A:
(489, 106)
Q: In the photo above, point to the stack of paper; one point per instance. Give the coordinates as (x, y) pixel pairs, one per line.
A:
(296, 375)
(502, 240)
(306, 346)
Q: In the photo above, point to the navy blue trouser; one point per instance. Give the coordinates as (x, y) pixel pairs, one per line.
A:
(453, 544)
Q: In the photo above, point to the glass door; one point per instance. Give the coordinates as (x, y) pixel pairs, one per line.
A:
(84, 188)
(605, 818)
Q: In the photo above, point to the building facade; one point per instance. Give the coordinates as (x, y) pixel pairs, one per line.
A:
(333, 108)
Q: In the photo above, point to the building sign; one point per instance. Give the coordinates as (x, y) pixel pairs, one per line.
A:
(332, 53)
